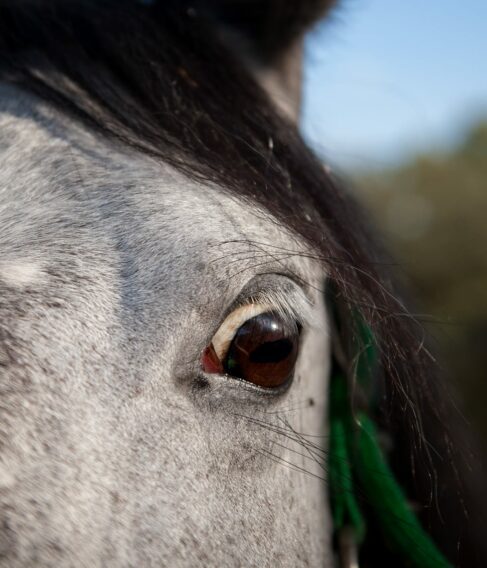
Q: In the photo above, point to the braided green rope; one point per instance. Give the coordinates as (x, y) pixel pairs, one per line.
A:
(400, 527)
(344, 506)
(356, 459)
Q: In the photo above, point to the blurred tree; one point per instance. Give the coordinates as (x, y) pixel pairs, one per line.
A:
(433, 215)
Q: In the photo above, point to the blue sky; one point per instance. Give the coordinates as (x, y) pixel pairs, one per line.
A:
(386, 78)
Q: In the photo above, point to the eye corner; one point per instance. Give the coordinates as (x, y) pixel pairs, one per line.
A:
(210, 362)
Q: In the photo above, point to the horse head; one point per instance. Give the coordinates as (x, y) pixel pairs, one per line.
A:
(166, 238)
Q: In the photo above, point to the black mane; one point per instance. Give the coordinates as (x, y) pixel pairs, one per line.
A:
(159, 77)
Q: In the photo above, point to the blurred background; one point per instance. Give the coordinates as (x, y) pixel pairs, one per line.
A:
(396, 100)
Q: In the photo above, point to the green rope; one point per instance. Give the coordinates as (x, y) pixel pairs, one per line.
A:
(345, 509)
(400, 527)
(356, 463)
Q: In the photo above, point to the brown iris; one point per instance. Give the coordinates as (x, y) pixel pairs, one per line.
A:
(263, 351)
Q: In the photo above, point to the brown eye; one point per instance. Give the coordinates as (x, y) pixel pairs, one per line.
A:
(263, 351)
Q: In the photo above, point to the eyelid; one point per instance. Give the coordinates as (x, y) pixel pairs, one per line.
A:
(288, 300)
(226, 332)
(276, 293)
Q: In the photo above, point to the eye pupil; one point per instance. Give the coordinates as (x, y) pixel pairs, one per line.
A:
(272, 351)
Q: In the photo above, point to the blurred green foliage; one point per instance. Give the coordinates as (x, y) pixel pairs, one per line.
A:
(432, 212)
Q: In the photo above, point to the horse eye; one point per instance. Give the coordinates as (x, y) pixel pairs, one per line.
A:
(263, 351)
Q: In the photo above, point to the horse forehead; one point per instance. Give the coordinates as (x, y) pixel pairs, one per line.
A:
(65, 190)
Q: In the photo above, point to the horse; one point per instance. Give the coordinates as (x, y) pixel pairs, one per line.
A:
(172, 255)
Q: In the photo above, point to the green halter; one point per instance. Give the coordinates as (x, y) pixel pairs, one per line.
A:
(356, 465)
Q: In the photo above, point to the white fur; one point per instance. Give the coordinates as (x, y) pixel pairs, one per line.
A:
(21, 273)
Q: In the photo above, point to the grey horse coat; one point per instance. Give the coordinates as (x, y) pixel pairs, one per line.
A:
(115, 271)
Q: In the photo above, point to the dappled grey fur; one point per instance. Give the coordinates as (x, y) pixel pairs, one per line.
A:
(115, 271)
